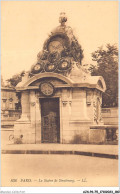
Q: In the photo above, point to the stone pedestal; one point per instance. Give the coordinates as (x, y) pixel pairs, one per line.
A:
(79, 131)
(97, 136)
(23, 131)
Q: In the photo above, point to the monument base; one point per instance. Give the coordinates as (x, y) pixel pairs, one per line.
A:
(23, 133)
(97, 135)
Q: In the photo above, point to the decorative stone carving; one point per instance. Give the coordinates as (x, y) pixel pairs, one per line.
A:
(10, 99)
(62, 18)
(95, 113)
(38, 67)
(47, 89)
(64, 102)
(53, 57)
(42, 55)
(61, 48)
(32, 103)
(64, 64)
(97, 110)
(4, 100)
(50, 67)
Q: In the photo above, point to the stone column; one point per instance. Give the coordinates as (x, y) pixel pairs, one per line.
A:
(25, 106)
(79, 122)
(33, 112)
(65, 116)
(79, 106)
(23, 133)
(32, 107)
(38, 120)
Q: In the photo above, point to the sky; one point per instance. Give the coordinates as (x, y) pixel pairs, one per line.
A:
(25, 25)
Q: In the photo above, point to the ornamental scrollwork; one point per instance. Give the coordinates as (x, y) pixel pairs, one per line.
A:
(59, 51)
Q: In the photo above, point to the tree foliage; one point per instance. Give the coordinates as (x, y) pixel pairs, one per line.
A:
(15, 79)
(107, 66)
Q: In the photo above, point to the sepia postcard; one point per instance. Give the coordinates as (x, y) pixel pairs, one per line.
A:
(59, 94)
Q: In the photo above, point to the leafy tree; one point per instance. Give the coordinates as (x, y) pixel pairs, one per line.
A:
(13, 81)
(16, 79)
(107, 66)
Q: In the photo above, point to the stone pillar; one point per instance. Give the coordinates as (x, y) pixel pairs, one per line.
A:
(32, 107)
(79, 111)
(38, 121)
(25, 106)
(65, 115)
(79, 106)
(23, 132)
(79, 120)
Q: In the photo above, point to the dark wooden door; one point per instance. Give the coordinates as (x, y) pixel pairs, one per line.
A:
(50, 120)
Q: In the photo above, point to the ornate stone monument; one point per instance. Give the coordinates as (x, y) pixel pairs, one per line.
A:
(60, 100)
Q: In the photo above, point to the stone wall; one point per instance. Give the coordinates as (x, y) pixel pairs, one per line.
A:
(110, 116)
(75, 118)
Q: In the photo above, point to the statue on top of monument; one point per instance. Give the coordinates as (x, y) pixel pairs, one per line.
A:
(62, 18)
